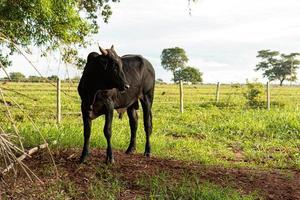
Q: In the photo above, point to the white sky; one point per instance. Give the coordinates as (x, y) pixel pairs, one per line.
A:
(221, 37)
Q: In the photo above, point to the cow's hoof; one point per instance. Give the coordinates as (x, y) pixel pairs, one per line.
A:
(83, 157)
(81, 160)
(110, 161)
(147, 154)
(130, 150)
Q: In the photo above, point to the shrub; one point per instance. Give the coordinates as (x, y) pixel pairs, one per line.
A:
(254, 95)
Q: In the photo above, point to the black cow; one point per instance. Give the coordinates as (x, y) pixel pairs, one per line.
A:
(130, 77)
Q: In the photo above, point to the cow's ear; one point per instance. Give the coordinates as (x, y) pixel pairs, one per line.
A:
(112, 47)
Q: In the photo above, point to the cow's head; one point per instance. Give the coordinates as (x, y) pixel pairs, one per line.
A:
(115, 67)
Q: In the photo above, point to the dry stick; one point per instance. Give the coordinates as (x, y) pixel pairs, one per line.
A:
(3, 68)
(37, 129)
(17, 149)
(16, 46)
(24, 95)
(14, 158)
(3, 152)
(11, 119)
(23, 166)
(25, 155)
(58, 103)
(11, 146)
(34, 67)
(67, 70)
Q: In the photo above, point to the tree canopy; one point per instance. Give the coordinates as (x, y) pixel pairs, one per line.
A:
(276, 66)
(188, 74)
(49, 25)
(173, 59)
(17, 76)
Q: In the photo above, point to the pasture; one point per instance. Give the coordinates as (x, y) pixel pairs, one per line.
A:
(222, 150)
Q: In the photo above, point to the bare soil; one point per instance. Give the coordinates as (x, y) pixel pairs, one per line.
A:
(270, 184)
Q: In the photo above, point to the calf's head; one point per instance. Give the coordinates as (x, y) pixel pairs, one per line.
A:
(103, 100)
(115, 68)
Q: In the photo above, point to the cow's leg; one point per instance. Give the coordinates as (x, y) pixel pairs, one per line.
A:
(147, 105)
(133, 122)
(87, 123)
(107, 133)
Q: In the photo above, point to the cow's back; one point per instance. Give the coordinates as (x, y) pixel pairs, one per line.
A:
(139, 72)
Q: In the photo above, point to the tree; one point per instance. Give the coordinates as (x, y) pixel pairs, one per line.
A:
(52, 78)
(17, 76)
(49, 25)
(35, 79)
(173, 59)
(159, 81)
(188, 74)
(276, 66)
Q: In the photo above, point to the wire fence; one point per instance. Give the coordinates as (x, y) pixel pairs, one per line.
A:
(40, 99)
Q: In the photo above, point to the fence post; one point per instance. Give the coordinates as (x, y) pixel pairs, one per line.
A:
(268, 96)
(181, 96)
(58, 103)
(218, 92)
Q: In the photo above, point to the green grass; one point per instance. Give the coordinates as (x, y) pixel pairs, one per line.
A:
(206, 132)
(162, 187)
(227, 133)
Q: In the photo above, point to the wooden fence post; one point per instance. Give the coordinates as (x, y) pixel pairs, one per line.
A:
(218, 92)
(268, 96)
(58, 103)
(181, 96)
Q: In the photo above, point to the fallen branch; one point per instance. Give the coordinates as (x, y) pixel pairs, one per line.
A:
(22, 157)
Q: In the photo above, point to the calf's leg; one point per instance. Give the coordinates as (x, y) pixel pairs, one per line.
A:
(107, 133)
(133, 122)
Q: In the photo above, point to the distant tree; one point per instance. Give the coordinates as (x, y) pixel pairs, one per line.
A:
(173, 59)
(188, 74)
(35, 79)
(17, 76)
(52, 78)
(159, 81)
(276, 66)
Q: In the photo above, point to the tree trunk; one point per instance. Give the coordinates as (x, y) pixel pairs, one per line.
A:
(174, 76)
(281, 81)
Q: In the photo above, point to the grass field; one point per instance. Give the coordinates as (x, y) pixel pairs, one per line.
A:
(228, 133)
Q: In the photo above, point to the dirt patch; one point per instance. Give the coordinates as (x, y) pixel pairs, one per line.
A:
(271, 184)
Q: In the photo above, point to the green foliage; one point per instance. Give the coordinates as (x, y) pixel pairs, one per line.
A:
(173, 59)
(4, 61)
(17, 76)
(50, 25)
(254, 95)
(188, 75)
(276, 66)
